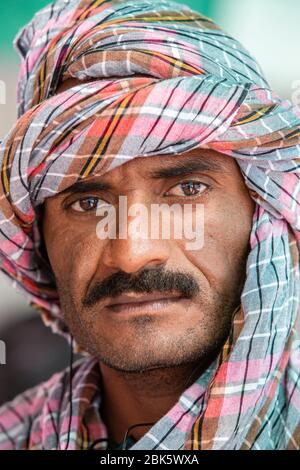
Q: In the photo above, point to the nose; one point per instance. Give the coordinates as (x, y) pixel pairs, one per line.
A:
(126, 251)
(131, 255)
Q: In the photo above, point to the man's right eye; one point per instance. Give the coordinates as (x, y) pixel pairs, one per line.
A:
(87, 204)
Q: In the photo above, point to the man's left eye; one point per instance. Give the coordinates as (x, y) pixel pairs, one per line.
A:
(187, 188)
(86, 204)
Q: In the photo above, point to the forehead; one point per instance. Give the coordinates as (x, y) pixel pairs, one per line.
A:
(196, 160)
(211, 160)
(145, 170)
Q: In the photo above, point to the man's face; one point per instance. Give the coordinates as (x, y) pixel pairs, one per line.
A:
(138, 304)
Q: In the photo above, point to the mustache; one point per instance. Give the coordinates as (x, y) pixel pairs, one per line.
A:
(146, 281)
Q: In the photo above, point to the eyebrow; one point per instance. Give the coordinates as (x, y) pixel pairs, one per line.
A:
(87, 186)
(180, 168)
(191, 165)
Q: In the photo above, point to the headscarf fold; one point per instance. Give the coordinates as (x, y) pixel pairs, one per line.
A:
(163, 79)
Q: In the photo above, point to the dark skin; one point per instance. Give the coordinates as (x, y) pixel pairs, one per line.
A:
(151, 349)
(169, 348)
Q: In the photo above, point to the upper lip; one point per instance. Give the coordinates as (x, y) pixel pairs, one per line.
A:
(135, 298)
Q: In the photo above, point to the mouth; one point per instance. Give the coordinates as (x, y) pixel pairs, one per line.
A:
(143, 303)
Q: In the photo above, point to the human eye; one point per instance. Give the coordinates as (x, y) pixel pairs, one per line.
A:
(87, 204)
(188, 188)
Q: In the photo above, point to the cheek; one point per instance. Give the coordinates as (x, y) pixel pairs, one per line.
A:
(74, 254)
(227, 228)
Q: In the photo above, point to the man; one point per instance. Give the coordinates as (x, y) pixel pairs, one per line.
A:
(184, 347)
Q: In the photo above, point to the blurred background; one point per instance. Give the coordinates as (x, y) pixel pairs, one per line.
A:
(269, 29)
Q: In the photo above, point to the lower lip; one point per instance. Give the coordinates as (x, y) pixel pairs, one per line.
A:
(152, 306)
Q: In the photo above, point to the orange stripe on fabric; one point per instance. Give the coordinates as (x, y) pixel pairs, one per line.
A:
(110, 131)
(174, 61)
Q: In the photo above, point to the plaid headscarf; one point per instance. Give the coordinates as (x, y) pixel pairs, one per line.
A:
(165, 80)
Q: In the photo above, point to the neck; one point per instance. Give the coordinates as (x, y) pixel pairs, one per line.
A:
(142, 397)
